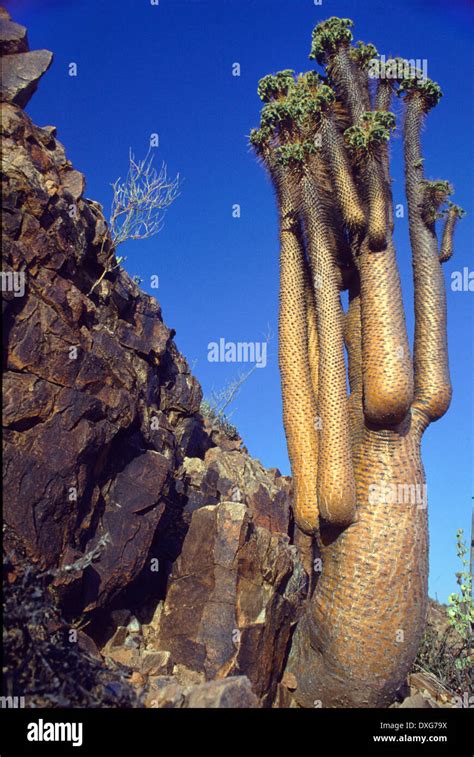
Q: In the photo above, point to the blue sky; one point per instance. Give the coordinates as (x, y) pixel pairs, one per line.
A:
(167, 69)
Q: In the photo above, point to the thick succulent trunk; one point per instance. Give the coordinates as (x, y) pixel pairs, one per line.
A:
(430, 355)
(364, 621)
(335, 480)
(296, 341)
(357, 643)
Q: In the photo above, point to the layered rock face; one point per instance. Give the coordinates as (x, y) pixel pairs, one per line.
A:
(112, 479)
(236, 588)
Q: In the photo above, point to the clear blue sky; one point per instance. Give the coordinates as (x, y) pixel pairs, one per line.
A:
(168, 69)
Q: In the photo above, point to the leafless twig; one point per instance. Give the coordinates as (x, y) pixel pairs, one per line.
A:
(140, 202)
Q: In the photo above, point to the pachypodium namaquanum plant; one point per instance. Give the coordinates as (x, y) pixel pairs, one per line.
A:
(355, 455)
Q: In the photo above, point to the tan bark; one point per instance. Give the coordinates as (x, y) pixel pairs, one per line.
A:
(432, 381)
(299, 400)
(363, 624)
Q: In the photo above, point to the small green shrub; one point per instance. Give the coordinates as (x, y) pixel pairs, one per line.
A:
(446, 651)
(461, 606)
(218, 420)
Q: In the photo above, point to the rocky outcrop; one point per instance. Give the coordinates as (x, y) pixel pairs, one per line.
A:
(13, 37)
(233, 475)
(232, 599)
(94, 386)
(114, 484)
(21, 68)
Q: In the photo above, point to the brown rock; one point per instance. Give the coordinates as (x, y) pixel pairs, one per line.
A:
(136, 679)
(13, 37)
(156, 663)
(83, 382)
(21, 73)
(234, 593)
(88, 645)
(117, 640)
(73, 182)
(130, 519)
(418, 701)
(426, 682)
(187, 677)
(234, 475)
(284, 698)
(124, 656)
(164, 692)
(231, 693)
(289, 680)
